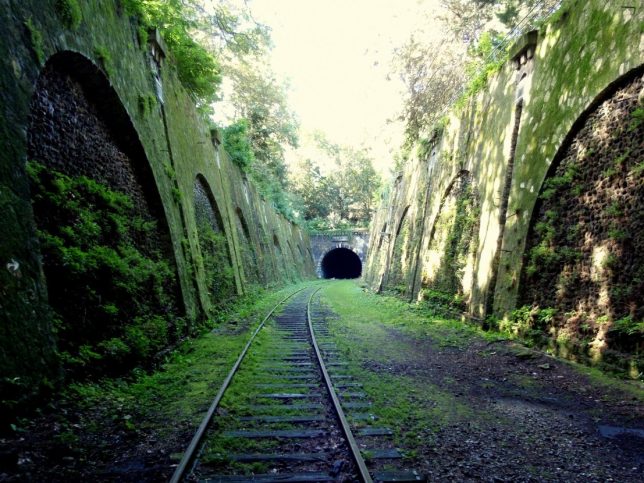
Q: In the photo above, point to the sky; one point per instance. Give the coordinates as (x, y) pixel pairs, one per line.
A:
(336, 56)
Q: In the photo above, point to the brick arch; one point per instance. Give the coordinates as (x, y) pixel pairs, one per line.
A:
(71, 78)
(398, 269)
(450, 256)
(79, 127)
(206, 206)
(248, 250)
(585, 246)
(214, 246)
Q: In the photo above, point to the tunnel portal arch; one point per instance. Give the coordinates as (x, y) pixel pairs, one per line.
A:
(340, 262)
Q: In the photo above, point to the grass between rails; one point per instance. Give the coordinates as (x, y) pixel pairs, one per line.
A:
(183, 388)
(240, 396)
(263, 371)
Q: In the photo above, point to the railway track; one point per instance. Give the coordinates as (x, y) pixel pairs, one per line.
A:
(288, 411)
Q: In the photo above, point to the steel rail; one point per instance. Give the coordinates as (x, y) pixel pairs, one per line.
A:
(355, 450)
(189, 454)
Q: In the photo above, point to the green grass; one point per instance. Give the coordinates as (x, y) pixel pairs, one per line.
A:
(184, 386)
(409, 404)
(362, 333)
(362, 307)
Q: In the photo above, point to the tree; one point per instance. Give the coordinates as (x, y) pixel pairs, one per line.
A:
(344, 196)
(197, 66)
(477, 35)
(433, 74)
(313, 189)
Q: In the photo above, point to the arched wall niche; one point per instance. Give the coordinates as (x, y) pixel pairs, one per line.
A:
(74, 110)
(400, 255)
(93, 193)
(450, 257)
(249, 254)
(584, 251)
(383, 234)
(206, 207)
(216, 257)
(242, 223)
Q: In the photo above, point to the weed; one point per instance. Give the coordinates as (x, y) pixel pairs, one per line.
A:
(147, 103)
(638, 169)
(104, 58)
(35, 36)
(628, 326)
(637, 118)
(69, 12)
(142, 36)
(94, 239)
(169, 171)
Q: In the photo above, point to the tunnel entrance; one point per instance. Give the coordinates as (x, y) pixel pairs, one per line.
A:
(341, 263)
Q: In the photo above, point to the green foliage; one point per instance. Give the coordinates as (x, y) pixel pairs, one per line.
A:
(628, 326)
(637, 118)
(36, 39)
(147, 103)
(143, 36)
(104, 57)
(614, 209)
(69, 12)
(488, 58)
(169, 171)
(176, 195)
(218, 270)
(530, 322)
(116, 303)
(617, 233)
(556, 184)
(638, 169)
(442, 304)
(266, 170)
(197, 67)
(459, 242)
(266, 122)
(237, 144)
(344, 197)
(545, 255)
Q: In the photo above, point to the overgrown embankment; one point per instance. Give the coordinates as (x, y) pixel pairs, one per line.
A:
(136, 229)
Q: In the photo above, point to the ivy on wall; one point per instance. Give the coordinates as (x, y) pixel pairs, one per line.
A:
(219, 273)
(111, 291)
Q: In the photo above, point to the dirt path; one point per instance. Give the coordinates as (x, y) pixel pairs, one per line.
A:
(486, 411)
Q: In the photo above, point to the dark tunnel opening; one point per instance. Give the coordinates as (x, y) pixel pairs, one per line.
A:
(341, 263)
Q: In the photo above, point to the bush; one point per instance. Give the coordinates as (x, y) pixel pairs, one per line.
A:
(237, 144)
(197, 68)
(111, 289)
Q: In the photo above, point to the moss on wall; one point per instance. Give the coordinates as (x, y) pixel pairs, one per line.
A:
(583, 50)
(175, 148)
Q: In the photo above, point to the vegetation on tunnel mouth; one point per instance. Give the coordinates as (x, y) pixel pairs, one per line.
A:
(341, 263)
